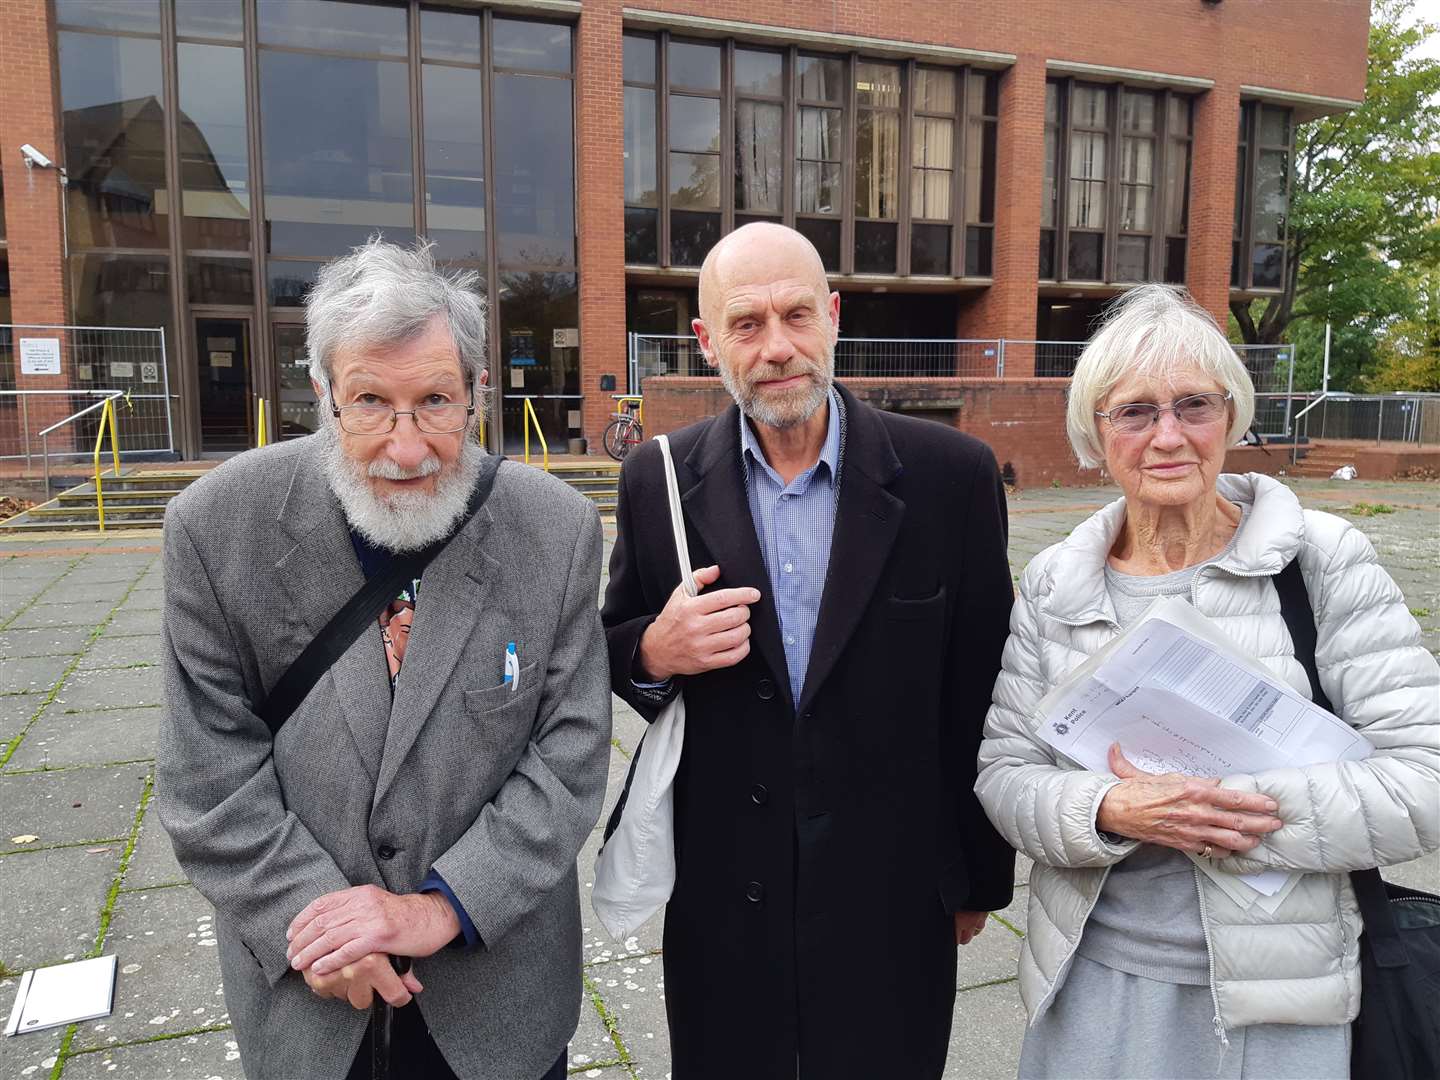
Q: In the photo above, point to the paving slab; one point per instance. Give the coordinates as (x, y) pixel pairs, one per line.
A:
(985, 1035)
(134, 622)
(32, 674)
(69, 591)
(60, 739)
(42, 614)
(69, 805)
(87, 691)
(153, 861)
(628, 726)
(591, 1044)
(53, 901)
(26, 1056)
(23, 568)
(1423, 873)
(46, 641)
(14, 599)
(212, 1055)
(15, 713)
(990, 957)
(112, 652)
(633, 990)
(169, 978)
(144, 600)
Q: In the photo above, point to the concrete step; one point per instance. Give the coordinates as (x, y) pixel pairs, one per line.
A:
(88, 513)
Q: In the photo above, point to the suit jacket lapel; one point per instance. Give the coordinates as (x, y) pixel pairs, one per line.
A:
(320, 573)
(450, 604)
(867, 521)
(719, 510)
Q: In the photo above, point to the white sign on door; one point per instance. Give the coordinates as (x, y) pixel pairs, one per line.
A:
(149, 372)
(40, 356)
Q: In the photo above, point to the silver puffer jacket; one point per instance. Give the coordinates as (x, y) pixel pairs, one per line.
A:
(1299, 965)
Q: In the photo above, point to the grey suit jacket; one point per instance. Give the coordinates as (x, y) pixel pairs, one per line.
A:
(494, 789)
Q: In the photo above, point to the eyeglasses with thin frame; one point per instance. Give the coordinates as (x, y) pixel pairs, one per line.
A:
(442, 419)
(1193, 410)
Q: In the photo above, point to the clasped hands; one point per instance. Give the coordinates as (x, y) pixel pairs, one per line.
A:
(1184, 812)
(342, 942)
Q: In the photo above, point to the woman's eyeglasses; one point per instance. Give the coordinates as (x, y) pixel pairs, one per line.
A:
(1195, 410)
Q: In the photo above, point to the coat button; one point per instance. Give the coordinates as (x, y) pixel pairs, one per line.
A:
(759, 795)
(755, 892)
(385, 851)
(765, 689)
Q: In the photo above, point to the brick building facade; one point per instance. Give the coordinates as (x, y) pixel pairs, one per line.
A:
(971, 170)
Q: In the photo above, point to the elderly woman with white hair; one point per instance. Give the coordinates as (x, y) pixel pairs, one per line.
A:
(1135, 964)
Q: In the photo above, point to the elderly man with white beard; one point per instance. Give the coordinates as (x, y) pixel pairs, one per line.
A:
(395, 817)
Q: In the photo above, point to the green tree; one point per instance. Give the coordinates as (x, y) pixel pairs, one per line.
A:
(1409, 349)
(1365, 211)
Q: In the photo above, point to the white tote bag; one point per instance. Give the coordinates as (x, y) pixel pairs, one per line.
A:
(635, 870)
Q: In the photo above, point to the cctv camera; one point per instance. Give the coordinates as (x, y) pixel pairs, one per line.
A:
(35, 157)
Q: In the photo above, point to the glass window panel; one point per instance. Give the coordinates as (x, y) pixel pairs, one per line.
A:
(930, 193)
(875, 247)
(1087, 106)
(1274, 126)
(642, 236)
(1086, 205)
(1240, 163)
(1137, 110)
(219, 281)
(214, 154)
(338, 24)
(1177, 188)
(825, 235)
(1267, 266)
(535, 171)
(143, 15)
(695, 181)
(934, 90)
(1087, 155)
(933, 143)
(979, 251)
(877, 85)
(340, 168)
(980, 172)
(114, 127)
(1085, 256)
(1052, 103)
(1049, 184)
(758, 73)
(694, 123)
(817, 187)
(1047, 254)
(1179, 119)
(290, 281)
(759, 155)
(1175, 260)
(818, 134)
(1135, 210)
(1137, 161)
(1235, 264)
(1271, 204)
(297, 400)
(534, 46)
(820, 78)
(930, 250)
(1132, 258)
(450, 35)
(121, 290)
(454, 161)
(877, 164)
(695, 67)
(533, 306)
(639, 59)
(640, 185)
(984, 94)
(692, 235)
(210, 18)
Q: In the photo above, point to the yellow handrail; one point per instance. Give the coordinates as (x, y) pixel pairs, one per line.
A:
(107, 413)
(529, 417)
(260, 438)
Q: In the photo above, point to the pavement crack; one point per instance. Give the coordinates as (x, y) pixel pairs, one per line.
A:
(607, 1018)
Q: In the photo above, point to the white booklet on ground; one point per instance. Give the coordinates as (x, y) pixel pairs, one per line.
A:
(1178, 696)
(64, 994)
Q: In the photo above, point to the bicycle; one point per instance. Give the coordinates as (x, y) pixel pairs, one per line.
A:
(626, 430)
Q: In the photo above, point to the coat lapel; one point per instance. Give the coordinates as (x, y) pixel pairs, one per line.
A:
(320, 573)
(718, 509)
(867, 521)
(450, 604)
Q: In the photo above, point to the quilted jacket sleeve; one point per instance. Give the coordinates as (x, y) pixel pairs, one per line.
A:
(1385, 809)
(1043, 808)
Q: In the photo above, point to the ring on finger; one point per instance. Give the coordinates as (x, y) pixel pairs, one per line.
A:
(1206, 851)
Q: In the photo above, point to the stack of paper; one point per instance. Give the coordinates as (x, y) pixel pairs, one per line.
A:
(1179, 697)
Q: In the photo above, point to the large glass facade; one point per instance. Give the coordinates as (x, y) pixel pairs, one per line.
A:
(219, 151)
(881, 163)
(1263, 168)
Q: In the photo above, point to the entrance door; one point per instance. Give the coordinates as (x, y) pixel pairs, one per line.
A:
(222, 348)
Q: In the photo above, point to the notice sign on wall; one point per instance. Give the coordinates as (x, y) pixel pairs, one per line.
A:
(39, 356)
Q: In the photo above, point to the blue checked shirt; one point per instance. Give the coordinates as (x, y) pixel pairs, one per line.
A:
(794, 523)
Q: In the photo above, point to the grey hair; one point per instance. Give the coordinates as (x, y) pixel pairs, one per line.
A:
(384, 294)
(1157, 331)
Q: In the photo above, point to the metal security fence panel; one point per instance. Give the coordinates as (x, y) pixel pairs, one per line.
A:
(1048, 359)
(91, 362)
(664, 354)
(1405, 418)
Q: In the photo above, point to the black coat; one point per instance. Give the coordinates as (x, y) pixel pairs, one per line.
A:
(821, 848)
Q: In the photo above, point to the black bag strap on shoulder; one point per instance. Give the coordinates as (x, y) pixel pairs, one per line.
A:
(360, 611)
(1369, 887)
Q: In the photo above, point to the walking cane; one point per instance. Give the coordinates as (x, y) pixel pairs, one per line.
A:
(381, 1017)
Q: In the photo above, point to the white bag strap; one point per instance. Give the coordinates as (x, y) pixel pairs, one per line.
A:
(677, 519)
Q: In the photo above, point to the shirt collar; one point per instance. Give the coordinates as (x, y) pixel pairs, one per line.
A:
(750, 449)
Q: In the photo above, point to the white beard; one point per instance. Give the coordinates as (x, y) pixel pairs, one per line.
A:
(406, 520)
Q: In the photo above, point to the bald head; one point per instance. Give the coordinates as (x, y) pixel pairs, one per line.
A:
(758, 253)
